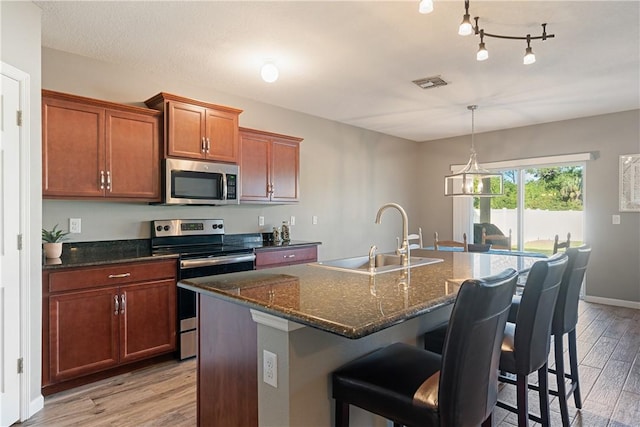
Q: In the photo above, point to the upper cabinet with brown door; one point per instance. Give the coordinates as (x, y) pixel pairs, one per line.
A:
(97, 149)
(196, 129)
(269, 167)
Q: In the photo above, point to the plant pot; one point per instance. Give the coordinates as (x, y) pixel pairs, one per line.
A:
(53, 250)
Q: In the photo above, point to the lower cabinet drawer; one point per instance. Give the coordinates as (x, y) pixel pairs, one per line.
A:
(281, 257)
(115, 274)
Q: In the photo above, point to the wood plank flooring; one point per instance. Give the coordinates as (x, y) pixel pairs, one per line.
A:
(165, 394)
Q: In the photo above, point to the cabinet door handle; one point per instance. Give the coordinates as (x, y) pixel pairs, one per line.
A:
(119, 276)
(109, 181)
(289, 256)
(116, 305)
(272, 191)
(208, 145)
(203, 146)
(123, 302)
(102, 180)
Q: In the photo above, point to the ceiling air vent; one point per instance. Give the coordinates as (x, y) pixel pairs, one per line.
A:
(430, 82)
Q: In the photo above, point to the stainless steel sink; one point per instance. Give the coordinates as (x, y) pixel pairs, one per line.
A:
(384, 263)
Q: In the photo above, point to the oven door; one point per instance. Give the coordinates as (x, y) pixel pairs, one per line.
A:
(187, 301)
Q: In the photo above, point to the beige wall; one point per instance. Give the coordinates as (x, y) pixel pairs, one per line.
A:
(20, 26)
(614, 267)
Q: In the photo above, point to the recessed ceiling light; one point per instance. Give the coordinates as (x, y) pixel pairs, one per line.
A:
(269, 72)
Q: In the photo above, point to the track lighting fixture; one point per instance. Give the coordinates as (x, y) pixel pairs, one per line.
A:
(425, 6)
(467, 27)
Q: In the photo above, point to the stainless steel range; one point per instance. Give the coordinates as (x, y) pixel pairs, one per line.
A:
(202, 252)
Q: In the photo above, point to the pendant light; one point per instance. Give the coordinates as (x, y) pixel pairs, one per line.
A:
(472, 180)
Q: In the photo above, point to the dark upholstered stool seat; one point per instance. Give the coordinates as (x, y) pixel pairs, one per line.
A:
(415, 387)
(388, 380)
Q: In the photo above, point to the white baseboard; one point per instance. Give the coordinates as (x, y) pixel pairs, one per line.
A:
(614, 302)
(36, 405)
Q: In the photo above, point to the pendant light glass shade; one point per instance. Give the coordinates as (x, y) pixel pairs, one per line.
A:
(472, 180)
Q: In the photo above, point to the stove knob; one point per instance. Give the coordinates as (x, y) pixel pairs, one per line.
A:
(159, 228)
(215, 226)
(166, 228)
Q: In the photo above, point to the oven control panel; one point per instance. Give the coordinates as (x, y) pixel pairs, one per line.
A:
(186, 227)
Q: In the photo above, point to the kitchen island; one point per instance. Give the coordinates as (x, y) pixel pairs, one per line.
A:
(314, 319)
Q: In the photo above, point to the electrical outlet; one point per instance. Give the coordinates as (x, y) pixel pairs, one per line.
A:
(260, 220)
(292, 220)
(75, 225)
(270, 368)
(314, 220)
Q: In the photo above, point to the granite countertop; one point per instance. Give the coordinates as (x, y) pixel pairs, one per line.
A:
(87, 254)
(355, 305)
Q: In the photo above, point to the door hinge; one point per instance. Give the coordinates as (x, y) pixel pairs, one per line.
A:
(19, 242)
(19, 117)
(20, 367)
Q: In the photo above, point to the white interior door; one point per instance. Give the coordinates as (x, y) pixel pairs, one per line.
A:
(9, 251)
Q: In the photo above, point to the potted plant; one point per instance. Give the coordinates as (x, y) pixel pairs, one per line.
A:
(53, 241)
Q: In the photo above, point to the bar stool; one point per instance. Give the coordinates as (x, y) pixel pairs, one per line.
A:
(525, 348)
(413, 387)
(565, 319)
(437, 243)
(561, 245)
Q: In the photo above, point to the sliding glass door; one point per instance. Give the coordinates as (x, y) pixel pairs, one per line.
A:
(539, 202)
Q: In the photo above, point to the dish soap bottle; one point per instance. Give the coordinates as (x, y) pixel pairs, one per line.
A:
(285, 231)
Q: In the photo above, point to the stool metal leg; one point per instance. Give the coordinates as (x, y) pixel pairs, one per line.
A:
(342, 414)
(573, 362)
(543, 395)
(523, 400)
(562, 391)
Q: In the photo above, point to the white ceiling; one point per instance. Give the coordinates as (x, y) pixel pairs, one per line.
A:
(353, 62)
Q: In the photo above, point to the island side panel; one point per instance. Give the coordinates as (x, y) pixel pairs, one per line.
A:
(227, 364)
(306, 359)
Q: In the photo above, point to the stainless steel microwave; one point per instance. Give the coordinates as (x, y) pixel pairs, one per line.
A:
(192, 182)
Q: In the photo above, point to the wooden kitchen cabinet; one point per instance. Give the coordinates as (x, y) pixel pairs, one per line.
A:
(278, 256)
(269, 167)
(97, 149)
(99, 318)
(198, 130)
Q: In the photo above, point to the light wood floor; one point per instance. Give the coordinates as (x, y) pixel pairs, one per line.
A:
(165, 394)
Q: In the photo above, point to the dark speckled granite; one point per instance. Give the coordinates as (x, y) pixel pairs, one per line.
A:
(84, 254)
(355, 305)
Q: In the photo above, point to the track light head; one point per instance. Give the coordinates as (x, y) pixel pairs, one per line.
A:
(466, 28)
(529, 56)
(483, 53)
(425, 6)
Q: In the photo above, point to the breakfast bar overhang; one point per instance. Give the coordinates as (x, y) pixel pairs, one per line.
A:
(314, 319)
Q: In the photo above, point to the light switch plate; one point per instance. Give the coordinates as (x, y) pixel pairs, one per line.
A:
(615, 219)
